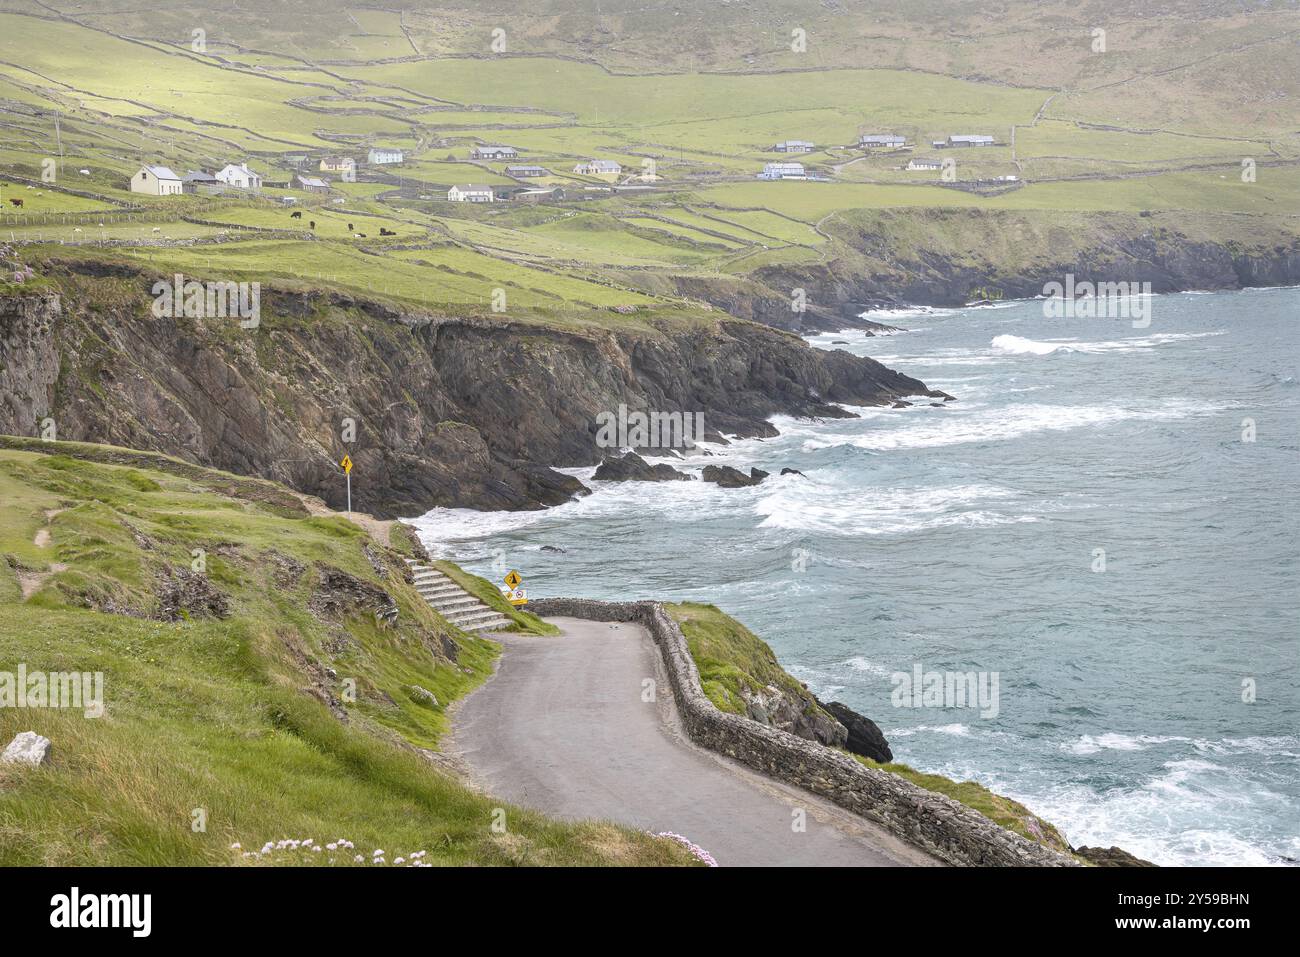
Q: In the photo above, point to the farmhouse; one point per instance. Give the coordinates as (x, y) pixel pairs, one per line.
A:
(487, 151)
(471, 194)
(868, 140)
(383, 155)
(156, 181)
(783, 171)
(527, 171)
(794, 146)
(598, 168)
(312, 184)
(239, 176)
(338, 164)
(915, 164)
(964, 139)
(197, 181)
(555, 194)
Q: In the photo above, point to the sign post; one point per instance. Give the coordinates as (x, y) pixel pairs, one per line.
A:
(516, 594)
(347, 470)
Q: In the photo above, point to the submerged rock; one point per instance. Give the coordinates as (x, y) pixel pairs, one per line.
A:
(865, 737)
(1111, 857)
(792, 472)
(632, 468)
(727, 477)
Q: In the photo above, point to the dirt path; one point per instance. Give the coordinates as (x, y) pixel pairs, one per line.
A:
(562, 728)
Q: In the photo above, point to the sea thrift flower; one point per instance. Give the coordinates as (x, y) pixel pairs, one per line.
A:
(695, 849)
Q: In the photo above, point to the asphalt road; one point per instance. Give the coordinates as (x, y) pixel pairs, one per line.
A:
(562, 727)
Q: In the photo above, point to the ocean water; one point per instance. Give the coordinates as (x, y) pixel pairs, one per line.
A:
(966, 538)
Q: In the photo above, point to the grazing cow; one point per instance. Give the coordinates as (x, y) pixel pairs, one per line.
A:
(297, 215)
(362, 235)
(386, 232)
(157, 229)
(312, 224)
(351, 227)
(15, 202)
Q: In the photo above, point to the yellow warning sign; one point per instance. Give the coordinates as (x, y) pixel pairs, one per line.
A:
(513, 579)
(347, 463)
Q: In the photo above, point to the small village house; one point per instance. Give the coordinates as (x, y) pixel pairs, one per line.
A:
(598, 168)
(555, 194)
(967, 139)
(794, 146)
(239, 176)
(527, 171)
(888, 140)
(489, 151)
(783, 171)
(929, 164)
(383, 155)
(471, 194)
(156, 181)
(338, 164)
(312, 184)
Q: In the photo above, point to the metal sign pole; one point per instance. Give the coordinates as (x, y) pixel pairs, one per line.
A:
(349, 495)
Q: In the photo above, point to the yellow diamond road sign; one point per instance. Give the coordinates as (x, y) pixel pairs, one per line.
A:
(513, 579)
(347, 464)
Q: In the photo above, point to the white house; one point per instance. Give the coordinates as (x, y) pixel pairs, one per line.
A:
(783, 171)
(157, 181)
(471, 194)
(487, 151)
(598, 168)
(239, 176)
(915, 164)
(962, 139)
(794, 146)
(382, 155)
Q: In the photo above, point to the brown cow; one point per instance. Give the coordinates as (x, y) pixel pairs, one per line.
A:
(16, 202)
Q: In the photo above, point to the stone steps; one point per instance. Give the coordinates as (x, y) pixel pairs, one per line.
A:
(454, 603)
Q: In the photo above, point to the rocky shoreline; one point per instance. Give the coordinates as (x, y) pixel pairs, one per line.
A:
(446, 410)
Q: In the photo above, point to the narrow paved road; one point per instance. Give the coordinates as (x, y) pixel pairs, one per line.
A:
(562, 728)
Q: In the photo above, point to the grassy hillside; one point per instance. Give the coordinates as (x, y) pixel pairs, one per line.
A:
(1161, 120)
(228, 690)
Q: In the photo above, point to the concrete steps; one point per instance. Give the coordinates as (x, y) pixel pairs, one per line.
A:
(454, 603)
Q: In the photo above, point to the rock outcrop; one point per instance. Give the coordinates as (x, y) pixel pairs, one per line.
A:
(1110, 857)
(724, 476)
(773, 707)
(447, 410)
(27, 748)
(864, 735)
(632, 468)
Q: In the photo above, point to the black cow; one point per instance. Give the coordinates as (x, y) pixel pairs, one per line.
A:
(312, 224)
(15, 202)
(297, 215)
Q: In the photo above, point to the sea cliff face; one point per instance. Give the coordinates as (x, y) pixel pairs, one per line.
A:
(450, 411)
(948, 257)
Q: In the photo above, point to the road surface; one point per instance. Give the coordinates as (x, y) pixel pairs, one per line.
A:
(562, 727)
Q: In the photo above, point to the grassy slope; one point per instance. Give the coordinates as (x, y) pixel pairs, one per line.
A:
(729, 656)
(229, 714)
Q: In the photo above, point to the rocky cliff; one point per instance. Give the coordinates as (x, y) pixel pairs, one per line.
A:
(948, 257)
(451, 411)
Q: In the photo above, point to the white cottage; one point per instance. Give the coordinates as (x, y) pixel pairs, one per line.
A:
(471, 194)
(157, 181)
(240, 176)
